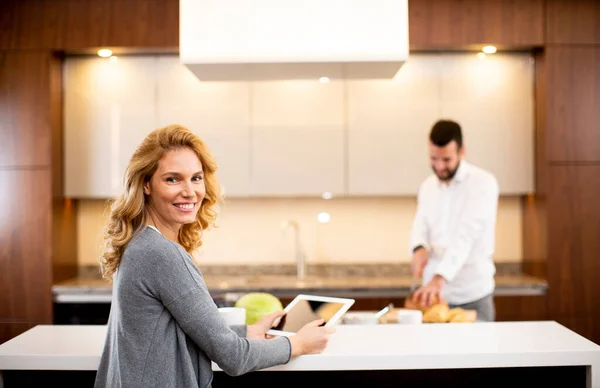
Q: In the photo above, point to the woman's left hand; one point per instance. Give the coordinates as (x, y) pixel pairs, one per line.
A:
(260, 328)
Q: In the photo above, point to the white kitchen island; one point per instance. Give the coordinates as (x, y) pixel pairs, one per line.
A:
(382, 355)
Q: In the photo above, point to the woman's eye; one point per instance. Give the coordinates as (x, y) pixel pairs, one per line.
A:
(171, 179)
(197, 178)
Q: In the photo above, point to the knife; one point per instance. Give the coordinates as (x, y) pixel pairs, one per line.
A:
(415, 284)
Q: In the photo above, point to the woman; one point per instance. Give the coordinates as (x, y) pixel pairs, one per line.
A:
(164, 328)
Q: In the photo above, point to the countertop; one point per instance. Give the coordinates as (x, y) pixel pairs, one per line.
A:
(82, 289)
(351, 347)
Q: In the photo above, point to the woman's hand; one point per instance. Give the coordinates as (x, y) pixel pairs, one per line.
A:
(311, 338)
(260, 328)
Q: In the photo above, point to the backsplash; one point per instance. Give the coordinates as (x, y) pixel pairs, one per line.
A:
(360, 231)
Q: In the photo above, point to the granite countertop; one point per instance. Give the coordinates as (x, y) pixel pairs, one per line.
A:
(353, 283)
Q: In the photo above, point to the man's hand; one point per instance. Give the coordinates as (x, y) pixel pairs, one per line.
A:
(419, 261)
(260, 328)
(425, 296)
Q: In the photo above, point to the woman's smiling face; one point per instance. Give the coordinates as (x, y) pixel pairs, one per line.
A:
(176, 189)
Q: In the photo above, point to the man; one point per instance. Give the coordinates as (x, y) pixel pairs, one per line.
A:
(452, 237)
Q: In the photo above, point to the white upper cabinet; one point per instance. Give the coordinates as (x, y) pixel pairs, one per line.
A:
(493, 101)
(302, 138)
(297, 142)
(389, 121)
(218, 112)
(108, 109)
(388, 125)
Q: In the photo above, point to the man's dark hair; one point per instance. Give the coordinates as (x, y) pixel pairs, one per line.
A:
(444, 131)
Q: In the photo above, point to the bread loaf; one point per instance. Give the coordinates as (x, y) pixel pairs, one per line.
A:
(437, 313)
(409, 304)
(455, 312)
(464, 316)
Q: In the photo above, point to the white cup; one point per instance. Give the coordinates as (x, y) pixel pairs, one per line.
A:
(233, 315)
(410, 317)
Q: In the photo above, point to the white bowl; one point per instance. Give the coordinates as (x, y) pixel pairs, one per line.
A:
(360, 318)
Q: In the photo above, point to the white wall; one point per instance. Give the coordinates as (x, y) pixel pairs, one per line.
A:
(361, 230)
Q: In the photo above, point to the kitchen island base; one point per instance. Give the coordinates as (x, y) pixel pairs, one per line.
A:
(571, 376)
(446, 355)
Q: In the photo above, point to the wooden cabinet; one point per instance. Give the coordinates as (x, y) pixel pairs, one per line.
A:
(24, 121)
(26, 248)
(573, 117)
(298, 145)
(573, 243)
(572, 22)
(466, 23)
(217, 111)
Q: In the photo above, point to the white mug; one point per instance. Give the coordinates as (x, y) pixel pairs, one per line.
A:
(233, 315)
(410, 317)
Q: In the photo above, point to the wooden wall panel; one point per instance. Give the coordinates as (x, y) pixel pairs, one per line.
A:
(24, 107)
(535, 235)
(569, 21)
(56, 123)
(541, 116)
(73, 25)
(574, 241)
(10, 329)
(586, 326)
(573, 117)
(64, 210)
(64, 239)
(25, 247)
(453, 24)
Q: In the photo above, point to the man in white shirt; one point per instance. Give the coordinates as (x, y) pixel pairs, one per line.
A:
(452, 236)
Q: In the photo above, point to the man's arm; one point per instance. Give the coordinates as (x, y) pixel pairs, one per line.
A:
(419, 235)
(481, 207)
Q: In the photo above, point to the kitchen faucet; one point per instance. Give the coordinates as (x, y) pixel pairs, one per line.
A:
(299, 251)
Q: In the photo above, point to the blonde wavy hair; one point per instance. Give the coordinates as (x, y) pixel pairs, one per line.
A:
(128, 210)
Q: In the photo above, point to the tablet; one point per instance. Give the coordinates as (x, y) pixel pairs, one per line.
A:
(307, 308)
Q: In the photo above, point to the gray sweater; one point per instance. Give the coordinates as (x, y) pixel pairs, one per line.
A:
(164, 328)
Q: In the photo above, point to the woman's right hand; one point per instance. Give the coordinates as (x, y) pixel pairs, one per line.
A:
(311, 338)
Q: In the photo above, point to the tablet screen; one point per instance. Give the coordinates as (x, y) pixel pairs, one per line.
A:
(305, 311)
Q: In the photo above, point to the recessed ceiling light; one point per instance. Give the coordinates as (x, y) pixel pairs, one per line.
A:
(324, 80)
(327, 195)
(105, 53)
(489, 49)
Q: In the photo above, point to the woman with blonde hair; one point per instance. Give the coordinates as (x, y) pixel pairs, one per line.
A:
(164, 328)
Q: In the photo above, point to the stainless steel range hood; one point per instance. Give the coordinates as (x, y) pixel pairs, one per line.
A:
(300, 39)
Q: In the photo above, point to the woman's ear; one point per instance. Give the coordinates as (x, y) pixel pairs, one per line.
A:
(147, 188)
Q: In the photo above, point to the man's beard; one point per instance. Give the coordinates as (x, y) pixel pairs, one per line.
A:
(449, 174)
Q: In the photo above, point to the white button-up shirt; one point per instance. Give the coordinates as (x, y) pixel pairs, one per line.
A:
(456, 223)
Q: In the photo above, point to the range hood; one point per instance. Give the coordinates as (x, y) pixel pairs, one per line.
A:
(293, 39)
